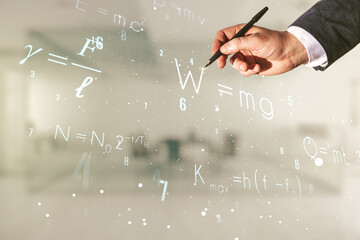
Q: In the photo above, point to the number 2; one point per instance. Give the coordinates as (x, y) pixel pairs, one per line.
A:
(119, 142)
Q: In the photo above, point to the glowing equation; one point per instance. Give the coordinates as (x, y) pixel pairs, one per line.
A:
(186, 13)
(248, 99)
(118, 19)
(63, 60)
(317, 154)
(261, 183)
(94, 138)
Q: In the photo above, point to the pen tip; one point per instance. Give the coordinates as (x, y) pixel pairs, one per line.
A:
(206, 65)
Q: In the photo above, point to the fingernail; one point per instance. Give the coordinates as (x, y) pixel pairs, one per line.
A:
(242, 67)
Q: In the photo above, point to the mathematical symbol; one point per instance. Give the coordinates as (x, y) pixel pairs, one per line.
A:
(81, 66)
(102, 11)
(29, 53)
(323, 150)
(139, 24)
(98, 42)
(31, 131)
(224, 91)
(141, 139)
(279, 184)
(87, 81)
(77, 5)
(189, 75)
(81, 136)
(197, 172)
(164, 189)
(236, 179)
(52, 60)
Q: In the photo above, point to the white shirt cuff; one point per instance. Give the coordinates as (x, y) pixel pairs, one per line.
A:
(316, 53)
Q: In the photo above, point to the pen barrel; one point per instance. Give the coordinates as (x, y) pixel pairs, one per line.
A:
(215, 56)
(242, 32)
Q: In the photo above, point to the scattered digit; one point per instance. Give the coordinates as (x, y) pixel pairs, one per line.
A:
(108, 148)
(281, 150)
(297, 164)
(31, 131)
(119, 142)
(164, 189)
(182, 104)
(311, 188)
(99, 44)
(123, 35)
(126, 161)
(290, 101)
(192, 61)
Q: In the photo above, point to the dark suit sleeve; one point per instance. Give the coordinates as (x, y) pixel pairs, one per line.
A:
(335, 24)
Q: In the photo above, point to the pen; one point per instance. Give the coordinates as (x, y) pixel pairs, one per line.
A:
(241, 33)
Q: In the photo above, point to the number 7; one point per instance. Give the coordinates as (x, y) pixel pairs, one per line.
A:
(164, 190)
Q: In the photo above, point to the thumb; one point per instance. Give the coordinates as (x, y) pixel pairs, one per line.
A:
(237, 44)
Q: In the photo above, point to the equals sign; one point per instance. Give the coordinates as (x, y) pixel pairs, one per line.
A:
(236, 179)
(221, 92)
(81, 136)
(102, 11)
(59, 57)
(279, 184)
(323, 150)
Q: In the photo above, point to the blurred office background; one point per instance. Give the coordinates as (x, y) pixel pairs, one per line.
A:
(139, 156)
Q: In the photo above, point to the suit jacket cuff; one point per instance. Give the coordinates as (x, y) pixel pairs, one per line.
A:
(316, 53)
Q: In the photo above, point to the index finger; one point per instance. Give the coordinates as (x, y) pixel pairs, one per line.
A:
(220, 39)
(224, 35)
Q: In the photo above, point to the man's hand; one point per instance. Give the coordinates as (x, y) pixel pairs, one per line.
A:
(261, 51)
